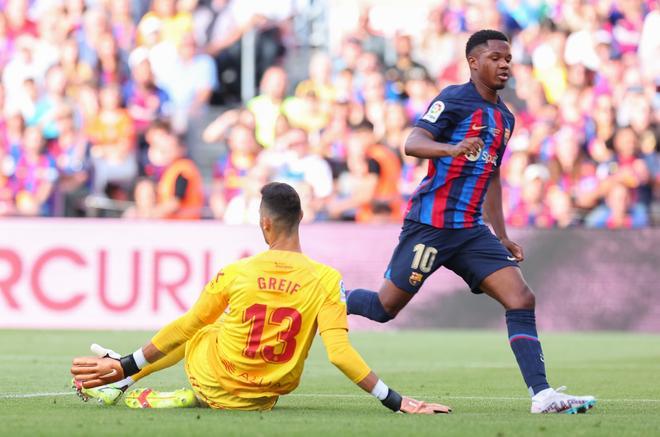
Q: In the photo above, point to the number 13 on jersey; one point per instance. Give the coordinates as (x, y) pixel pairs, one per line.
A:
(290, 322)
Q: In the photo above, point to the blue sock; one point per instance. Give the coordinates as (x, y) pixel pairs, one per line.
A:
(526, 347)
(365, 303)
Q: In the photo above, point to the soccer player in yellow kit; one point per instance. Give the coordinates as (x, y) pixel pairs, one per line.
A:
(246, 338)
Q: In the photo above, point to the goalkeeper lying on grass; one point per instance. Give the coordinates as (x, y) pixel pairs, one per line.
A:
(273, 304)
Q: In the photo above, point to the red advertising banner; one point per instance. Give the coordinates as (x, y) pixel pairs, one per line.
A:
(112, 274)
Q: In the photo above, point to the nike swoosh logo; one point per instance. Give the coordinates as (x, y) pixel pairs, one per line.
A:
(475, 127)
(511, 258)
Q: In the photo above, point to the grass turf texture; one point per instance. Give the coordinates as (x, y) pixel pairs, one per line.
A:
(474, 372)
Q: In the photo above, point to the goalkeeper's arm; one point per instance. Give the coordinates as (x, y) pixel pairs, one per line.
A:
(345, 358)
(93, 371)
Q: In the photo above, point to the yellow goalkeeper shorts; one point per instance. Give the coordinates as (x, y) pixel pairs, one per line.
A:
(205, 384)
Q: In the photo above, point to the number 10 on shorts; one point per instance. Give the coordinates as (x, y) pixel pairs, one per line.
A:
(424, 258)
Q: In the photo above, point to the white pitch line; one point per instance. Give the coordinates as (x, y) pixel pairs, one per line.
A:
(332, 395)
(480, 398)
(34, 395)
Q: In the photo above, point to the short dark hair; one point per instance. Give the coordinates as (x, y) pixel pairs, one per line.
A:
(364, 125)
(161, 124)
(482, 37)
(283, 202)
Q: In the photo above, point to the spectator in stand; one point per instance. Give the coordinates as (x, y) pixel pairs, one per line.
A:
(112, 135)
(6, 196)
(218, 31)
(628, 168)
(71, 155)
(179, 190)
(244, 208)
(23, 66)
(532, 209)
(306, 112)
(349, 53)
(50, 104)
(419, 91)
(300, 167)
(74, 11)
(572, 171)
(18, 20)
(14, 128)
(372, 39)
(95, 26)
(333, 138)
(436, 39)
(586, 96)
(190, 98)
(267, 106)
(174, 24)
(230, 173)
(618, 211)
(369, 184)
(319, 81)
(403, 64)
(144, 199)
(6, 42)
(34, 176)
(123, 27)
(219, 128)
(76, 71)
(145, 101)
(111, 66)
(396, 124)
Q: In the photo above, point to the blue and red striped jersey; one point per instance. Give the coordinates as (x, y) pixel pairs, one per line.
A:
(452, 193)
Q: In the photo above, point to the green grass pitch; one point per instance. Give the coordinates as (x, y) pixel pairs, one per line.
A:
(473, 371)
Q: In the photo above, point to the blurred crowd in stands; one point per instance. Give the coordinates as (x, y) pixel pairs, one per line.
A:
(103, 104)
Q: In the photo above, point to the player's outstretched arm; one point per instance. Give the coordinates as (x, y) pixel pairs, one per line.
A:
(345, 358)
(420, 143)
(96, 371)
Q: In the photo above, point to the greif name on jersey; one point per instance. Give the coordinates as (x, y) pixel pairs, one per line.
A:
(277, 284)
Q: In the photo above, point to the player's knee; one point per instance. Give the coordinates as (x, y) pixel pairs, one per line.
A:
(524, 299)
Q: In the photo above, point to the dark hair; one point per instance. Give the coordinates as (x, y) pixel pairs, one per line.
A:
(161, 124)
(482, 37)
(283, 203)
(364, 125)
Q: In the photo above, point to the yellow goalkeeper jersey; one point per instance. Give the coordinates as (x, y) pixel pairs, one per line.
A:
(273, 305)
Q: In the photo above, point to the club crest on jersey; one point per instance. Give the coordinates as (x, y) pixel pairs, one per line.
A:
(434, 112)
(342, 292)
(415, 279)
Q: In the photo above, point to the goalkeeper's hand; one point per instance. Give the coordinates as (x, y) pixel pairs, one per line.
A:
(94, 371)
(413, 406)
(104, 368)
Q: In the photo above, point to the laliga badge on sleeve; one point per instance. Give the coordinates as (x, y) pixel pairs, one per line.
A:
(434, 112)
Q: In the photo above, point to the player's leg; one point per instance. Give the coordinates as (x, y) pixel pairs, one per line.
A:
(149, 398)
(208, 386)
(109, 394)
(415, 258)
(487, 266)
(508, 287)
(381, 306)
